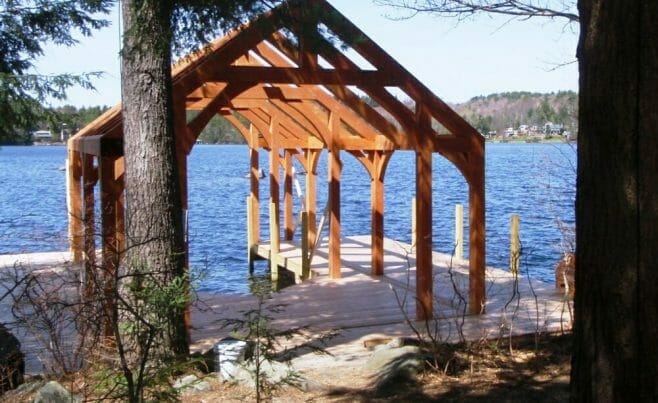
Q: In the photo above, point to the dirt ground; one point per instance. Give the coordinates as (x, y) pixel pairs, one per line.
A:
(533, 371)
(522, 369)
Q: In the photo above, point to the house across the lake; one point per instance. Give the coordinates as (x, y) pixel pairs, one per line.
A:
(42, 135)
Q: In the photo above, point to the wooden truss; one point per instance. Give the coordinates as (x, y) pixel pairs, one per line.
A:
(288, 84)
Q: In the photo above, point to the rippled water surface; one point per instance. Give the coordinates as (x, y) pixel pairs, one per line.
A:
(535, 181)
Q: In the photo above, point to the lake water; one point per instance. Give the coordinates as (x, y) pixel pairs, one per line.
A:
(536, 181)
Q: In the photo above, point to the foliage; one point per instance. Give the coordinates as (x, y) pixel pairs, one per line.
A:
(255, 327)
(74, 118)
(71, 327)
(25, 26)
(220, 131)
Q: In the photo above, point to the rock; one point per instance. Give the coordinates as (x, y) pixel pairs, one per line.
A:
(385, 357)
(191, 383)
(53, 392)
(392, 365)
(275, 372)
(12, 363)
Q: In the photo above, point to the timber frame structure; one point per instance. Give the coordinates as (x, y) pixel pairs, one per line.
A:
(287, 86)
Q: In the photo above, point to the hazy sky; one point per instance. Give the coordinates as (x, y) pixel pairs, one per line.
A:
(456, 60)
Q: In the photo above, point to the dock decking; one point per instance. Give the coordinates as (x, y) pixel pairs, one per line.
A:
(359, 303)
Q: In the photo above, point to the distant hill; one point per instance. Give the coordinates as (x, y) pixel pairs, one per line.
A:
(491, 113)
(498, 112)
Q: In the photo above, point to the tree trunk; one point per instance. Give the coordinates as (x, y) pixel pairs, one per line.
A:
(154, 227)
(615, 351)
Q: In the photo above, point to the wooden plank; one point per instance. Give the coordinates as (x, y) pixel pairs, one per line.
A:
(299, 76)
(97, 145)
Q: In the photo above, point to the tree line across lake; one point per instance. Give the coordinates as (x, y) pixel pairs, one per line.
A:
(494, 112)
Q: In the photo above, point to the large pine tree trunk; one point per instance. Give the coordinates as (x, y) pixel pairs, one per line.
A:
(154, 226)
(616, 328)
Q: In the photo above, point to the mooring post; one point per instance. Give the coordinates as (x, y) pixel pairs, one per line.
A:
(306, 256)
(250, 234)
(515, 244)
(459, 231)
(413, 223)
(274, 242)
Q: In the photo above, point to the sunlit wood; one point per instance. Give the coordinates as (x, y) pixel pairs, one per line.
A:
(292, 105)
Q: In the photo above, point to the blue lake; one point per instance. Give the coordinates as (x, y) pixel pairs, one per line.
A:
(536, 181)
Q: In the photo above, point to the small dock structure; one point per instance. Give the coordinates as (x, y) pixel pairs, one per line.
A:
(356, 307)
(290, 83)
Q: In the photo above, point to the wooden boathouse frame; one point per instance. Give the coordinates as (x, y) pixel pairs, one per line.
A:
(286, 82)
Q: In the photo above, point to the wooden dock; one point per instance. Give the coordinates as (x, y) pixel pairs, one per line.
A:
(359, 304)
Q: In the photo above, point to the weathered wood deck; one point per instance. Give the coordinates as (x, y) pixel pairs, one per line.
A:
(359, 304)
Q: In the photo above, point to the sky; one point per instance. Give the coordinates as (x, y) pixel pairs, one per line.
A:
(457, 60)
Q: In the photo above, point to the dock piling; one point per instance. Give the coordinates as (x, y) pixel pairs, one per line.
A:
(274, 242)
(515, 244)
(459, 231)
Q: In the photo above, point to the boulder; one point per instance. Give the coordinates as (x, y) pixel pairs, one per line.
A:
(273, 371)
(53, 392)
(393, 365)
(191, 383)
(12, 362)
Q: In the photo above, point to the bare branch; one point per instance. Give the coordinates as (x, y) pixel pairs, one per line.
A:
(522, 9)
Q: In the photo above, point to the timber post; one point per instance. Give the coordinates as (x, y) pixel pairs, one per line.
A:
(413, 223)
(312, 157)
(274, 242)
(74, 204)
(89, 178)
(288, 215)
(335, 167)
(424, 278)
(251, 242)
(514, 245)
(254, 179)
(459, 231)
(379, 162)
(306, 253)
(477, 241)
